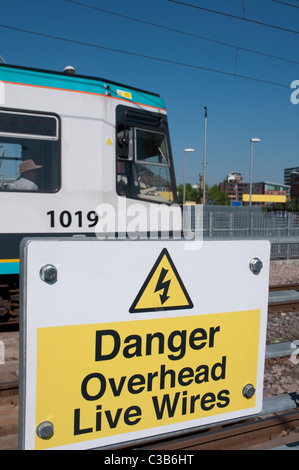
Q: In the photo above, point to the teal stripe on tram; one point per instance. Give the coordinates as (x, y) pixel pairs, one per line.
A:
(79, 84)
(9, 267)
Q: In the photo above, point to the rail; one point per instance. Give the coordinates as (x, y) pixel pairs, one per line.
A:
(235, 434)
(9, 388)
(275, 427)
(283, 298)
(263, 431)
(285, 247)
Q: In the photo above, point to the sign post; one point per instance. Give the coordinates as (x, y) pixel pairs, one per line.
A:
(128, 340)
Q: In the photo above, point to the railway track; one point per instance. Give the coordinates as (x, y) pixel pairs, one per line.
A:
(266, 433)
(283, 298)
(9, 408)
(284, 287)
(287, 298)
(255, 433)
(272, 431)
(9, 306)
(9, 389)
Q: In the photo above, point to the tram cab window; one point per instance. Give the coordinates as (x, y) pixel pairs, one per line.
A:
(29, 151)
(144, 165)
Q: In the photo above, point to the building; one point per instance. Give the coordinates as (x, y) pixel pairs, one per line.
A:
(277, 189)
(233, 186)
(295, 187)
(291, 177)
(234, 177)
(288, 174)
(262, 193)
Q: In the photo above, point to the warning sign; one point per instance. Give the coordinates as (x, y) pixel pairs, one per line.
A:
(124, 94)
(154, 337)
(96, 381)
(163, 289)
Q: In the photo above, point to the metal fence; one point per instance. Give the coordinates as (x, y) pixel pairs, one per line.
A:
(219, 222)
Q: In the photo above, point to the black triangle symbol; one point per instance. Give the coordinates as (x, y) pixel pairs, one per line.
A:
(161, 287)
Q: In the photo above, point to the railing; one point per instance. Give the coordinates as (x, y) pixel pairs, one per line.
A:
(223, 222)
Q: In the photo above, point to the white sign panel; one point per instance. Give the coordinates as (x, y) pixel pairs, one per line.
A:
(125, 340)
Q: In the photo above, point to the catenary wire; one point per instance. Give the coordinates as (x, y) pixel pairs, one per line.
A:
(284, 3)
(236, 17)
(186, 33)
(160, 59)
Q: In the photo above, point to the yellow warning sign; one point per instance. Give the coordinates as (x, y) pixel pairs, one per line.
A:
(104, 380)
(124, 94)
(163, 289)
(109, 141)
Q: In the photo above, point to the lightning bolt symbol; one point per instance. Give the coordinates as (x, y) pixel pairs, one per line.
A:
(163, 285)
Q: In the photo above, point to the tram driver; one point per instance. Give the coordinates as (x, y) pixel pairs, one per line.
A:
(28, 175)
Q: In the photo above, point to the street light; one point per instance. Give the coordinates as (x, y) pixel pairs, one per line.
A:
(252, 141)
(205, 157)
(185, 164)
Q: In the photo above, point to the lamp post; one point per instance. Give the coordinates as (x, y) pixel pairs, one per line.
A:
(205, 157)
(251, 163)
(185, 164)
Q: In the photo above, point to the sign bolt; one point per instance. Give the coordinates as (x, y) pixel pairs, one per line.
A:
(248, 391)
(45, 430)
(48, 273)
(255, 265)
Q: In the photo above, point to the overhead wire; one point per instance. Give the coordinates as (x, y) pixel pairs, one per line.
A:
(236, 17)
(135, 54)
(287, 4)
(186, 33)
(243, 9)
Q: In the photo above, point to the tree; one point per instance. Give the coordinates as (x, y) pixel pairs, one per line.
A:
(213, 195)
(192, 194)
(217, 197)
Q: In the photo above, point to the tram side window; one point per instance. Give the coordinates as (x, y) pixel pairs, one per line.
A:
(29, 152)
(143, 164)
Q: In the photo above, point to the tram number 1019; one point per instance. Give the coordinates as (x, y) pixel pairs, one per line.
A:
(79, 219)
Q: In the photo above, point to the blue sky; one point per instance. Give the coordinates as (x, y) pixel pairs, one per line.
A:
(238, 108)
